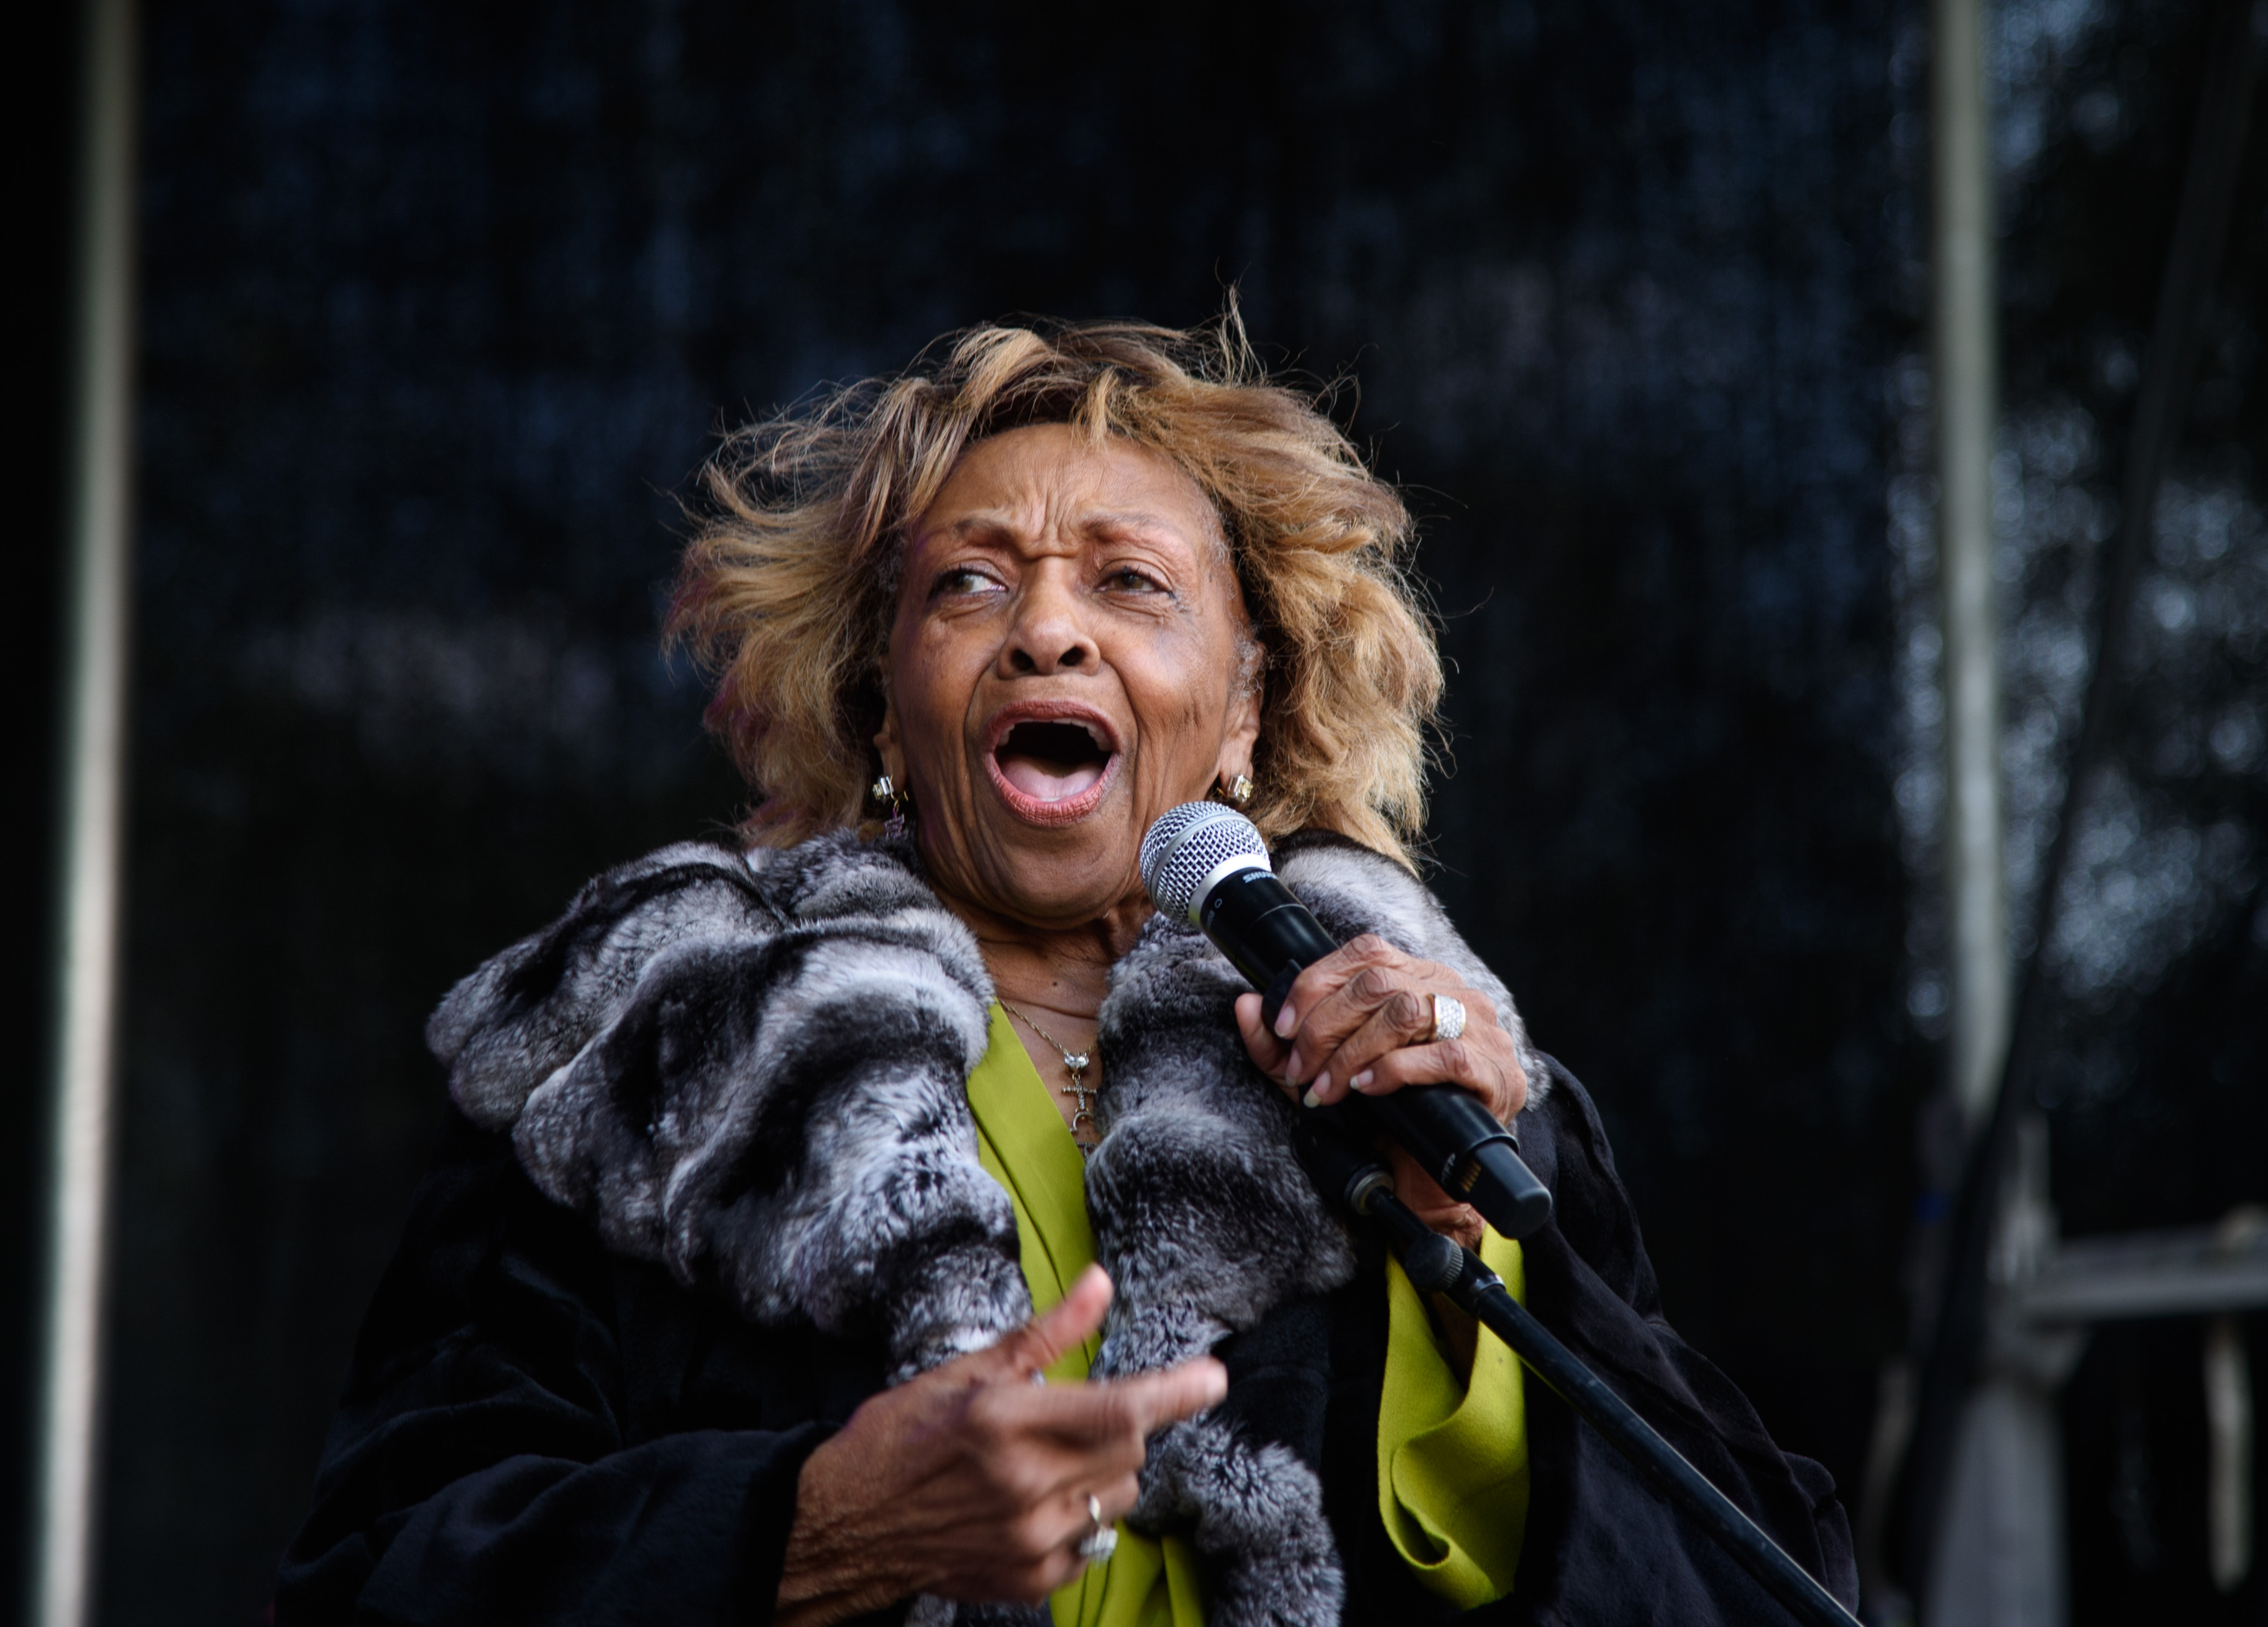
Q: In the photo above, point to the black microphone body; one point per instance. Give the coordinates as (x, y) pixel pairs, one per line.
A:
(1271, 937)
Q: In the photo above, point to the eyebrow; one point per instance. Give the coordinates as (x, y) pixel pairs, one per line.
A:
(1133, 519)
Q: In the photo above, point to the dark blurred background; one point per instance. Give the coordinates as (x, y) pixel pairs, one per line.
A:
(442, 305)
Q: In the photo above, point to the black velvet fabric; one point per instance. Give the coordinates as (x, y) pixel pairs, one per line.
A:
(536, 1430)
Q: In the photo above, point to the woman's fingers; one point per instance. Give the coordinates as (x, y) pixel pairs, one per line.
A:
(1332, 998)
(1483, 1063)
(1318, 991)
(1144, 1403)
(1098, 1427)
(970, 1481)
(1042, 1451)
(1119, 1499)
(1374, 1000)
(1096, 1418)
(1430, 1204)
(1363, 1019)
(1327, 1026)
(1260, 1044)
(1035, 1346)
(1395, 1016)
(1268, 1052)
(978, 1489)
(1154, 1400)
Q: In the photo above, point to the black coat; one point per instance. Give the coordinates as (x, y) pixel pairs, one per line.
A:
(539, 1429)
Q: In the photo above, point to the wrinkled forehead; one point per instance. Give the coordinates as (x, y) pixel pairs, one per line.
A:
(1054, 477)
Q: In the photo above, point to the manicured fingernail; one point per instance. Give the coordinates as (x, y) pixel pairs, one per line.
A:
(1286, 1019)
(1312, 1099)
(1361, 1081)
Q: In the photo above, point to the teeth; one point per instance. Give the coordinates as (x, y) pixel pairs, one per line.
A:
(1102, 740)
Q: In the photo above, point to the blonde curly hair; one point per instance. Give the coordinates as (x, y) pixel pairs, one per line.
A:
(789, 583)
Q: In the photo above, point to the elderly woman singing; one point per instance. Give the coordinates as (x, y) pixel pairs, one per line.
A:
(890, 1214)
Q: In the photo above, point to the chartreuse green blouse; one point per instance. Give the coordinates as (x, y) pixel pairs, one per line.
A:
(1452, 1450)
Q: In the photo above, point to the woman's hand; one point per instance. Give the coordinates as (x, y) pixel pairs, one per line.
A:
(1361, 1020)
(971, 1482)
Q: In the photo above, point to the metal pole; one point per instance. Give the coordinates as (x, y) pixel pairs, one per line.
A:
(2192, 267)
(93, 809)
(1966, 339)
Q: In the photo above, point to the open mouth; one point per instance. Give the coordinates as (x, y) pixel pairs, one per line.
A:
(1052, 762)
(1053, 769)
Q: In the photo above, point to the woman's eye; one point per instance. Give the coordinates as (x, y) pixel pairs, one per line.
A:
(1128, 578)
(966, 580)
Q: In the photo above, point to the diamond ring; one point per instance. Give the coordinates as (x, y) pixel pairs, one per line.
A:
(1101, 1540)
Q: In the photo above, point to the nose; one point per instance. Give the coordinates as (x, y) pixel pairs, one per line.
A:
(1049, 634)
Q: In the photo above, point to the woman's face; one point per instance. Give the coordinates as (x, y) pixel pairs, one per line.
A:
(1062, 669)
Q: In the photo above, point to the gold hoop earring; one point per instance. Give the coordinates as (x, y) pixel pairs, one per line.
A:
(891, 798)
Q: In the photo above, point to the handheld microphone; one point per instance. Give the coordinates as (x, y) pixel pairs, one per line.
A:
(1206, 864)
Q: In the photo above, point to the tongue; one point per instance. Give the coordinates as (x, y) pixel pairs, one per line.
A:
(1048, 782)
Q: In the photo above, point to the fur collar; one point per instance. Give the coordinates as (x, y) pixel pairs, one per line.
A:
(753, 1069)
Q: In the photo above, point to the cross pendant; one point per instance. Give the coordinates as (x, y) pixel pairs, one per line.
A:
(1082, 1098)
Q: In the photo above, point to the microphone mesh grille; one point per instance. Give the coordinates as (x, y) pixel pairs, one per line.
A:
(1189, 842)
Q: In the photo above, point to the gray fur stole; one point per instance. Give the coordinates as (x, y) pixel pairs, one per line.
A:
(753, 1069)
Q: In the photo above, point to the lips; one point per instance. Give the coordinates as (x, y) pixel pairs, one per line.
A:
(1051, 762)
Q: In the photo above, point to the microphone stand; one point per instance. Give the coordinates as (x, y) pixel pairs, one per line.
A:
(1343, 1170)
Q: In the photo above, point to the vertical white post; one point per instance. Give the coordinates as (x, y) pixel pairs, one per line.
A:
(2000, 1553)
(1965, 341)
(2228, 1421)
(2228, 1474)
(2001, 1559)
(94, 772)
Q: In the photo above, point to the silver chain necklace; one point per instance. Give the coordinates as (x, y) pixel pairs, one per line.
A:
(1075, 1063)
